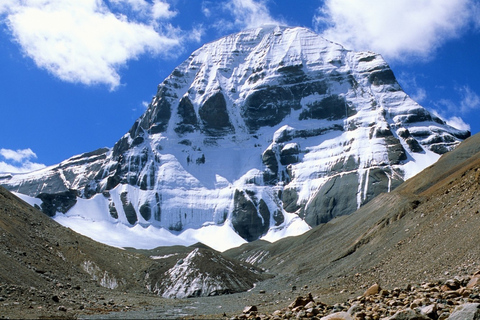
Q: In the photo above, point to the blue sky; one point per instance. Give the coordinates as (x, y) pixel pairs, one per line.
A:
(75, 75)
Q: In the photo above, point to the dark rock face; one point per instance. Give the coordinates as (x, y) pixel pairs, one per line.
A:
(335, 198)
(112, 210)
(268, 107)
(332, 108)
(158, 208)
(186, 112)
(146, 211)
(269, 159)
(381, 77)
(292, 74)
(345, 165)
(278, 217)
(289, 155)
(214, 115)
(309, 87)
(264, 213)
(412, 143)
(130, 212)
(339, 196)
(157, 116)
(246, 220)
(395, 150)
(57, 202)
(378, 182)
(290, 199)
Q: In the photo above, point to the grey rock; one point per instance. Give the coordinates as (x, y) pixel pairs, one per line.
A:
(57, 202)
(338, 316)
(468, 311)
(246, 219)
(408, 314)
(335, 198)
(249, 309)
(430, 311)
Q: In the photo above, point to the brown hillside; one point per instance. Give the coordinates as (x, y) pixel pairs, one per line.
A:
(426, 229)
(45, 266)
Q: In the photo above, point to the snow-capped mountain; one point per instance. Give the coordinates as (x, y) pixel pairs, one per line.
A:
(265, 132)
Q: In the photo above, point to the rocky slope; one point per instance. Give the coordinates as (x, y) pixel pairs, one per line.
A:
(47, 270)
(453, 299)
(265, 131)
(424, 231)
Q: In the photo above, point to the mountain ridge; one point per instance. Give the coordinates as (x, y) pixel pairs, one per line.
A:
(269, 131)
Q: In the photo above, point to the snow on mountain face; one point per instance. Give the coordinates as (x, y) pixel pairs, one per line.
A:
(266, 131)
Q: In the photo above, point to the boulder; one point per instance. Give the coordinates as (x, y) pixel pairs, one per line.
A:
(249, 309)
(474, 282)
(300, 301)
(373, 290)
(468, 311)
(338, 316)
(408, 314)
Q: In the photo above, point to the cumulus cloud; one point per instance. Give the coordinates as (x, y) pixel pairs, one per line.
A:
(18, 161)
(396, 29)
(84, 41)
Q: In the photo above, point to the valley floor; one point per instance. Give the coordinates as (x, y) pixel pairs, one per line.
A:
(435, 299)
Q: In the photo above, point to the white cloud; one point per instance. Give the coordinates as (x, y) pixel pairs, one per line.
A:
(396, 29)
(82, 40)
(18, 161)
(458, 123)
(136, 5)
(17, 155)
(206, 9)
(470, 99)
(238, 14)
(5, 5)
(419, 95)
(250, 13)
(161, 10)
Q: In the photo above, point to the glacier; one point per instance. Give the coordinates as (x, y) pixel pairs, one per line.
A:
(261, 134)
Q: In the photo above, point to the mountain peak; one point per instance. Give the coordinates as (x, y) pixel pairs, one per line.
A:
(265, 132)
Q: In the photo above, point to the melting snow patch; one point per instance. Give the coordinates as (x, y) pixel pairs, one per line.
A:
(163, 257)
